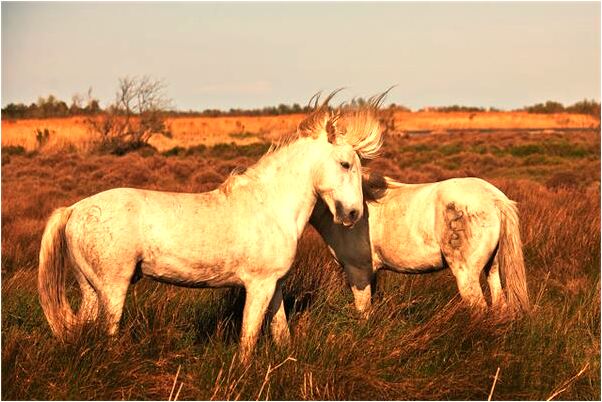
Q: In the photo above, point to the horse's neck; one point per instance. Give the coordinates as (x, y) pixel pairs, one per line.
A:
(286, 183)
(321, 218)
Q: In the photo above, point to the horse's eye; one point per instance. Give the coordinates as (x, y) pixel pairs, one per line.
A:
(345, 165)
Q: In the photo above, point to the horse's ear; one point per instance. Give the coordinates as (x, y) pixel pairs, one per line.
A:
(331, 131)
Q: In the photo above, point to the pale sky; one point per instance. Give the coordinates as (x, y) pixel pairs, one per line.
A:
(222, 55)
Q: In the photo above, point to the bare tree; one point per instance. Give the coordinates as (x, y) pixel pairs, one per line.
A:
(137, 114)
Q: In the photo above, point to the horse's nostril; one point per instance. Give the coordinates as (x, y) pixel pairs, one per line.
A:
(353, 214)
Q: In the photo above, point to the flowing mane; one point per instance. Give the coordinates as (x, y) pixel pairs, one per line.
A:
(375, 185)
(359, 126)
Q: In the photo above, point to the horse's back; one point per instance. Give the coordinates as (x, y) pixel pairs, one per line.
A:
(122, 211)
(104, 207)
(419, 207)
(118, 223)
(468, 190)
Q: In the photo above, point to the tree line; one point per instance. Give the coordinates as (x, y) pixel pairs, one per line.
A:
(590, 107)
(50, 106)
(583, 107)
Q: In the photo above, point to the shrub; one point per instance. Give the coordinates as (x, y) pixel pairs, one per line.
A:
(563, 180)
(209, 176)
(13, 150)
(136, 116)
(525, 150)
(231, 150)
(450, 149)
(566, 150)
(197, 150)
(175, 151)
(181, 170)
(120, 148)
(242, 135)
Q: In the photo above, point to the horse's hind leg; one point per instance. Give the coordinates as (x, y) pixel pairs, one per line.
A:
(106, 257)
(102, 294)
(89, 283)
(88, 310)
(467, 278)
(108, 298)
(467, 244)
(113, 297)
(498, 299)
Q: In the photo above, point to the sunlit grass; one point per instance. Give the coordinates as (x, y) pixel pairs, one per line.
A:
(418, 343)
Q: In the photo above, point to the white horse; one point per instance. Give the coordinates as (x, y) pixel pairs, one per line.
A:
(244, 233)
(465, 224)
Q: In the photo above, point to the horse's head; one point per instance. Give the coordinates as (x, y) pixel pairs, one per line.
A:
(339, 183)
(346, 135)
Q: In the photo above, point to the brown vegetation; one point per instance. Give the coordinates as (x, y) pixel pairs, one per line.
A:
(419, 342)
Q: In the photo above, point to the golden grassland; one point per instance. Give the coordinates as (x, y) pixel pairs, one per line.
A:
(430, 121)
(419, 342)
(191, 131)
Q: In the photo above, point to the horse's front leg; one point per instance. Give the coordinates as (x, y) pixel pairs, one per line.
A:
(360, 280)
(258, 297)
(278, 325)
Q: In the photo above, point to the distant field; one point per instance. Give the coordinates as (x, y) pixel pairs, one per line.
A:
(187, 131)
(418, 344)
(190, 131)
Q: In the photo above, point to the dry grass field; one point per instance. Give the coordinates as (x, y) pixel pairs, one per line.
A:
(419, 342)
(187, 131)
(191, 131)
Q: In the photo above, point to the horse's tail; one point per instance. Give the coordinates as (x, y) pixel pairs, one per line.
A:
(510, 259)
(54, 256)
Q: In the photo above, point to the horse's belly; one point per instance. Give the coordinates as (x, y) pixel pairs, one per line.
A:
(190, 273)
(411, 259)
